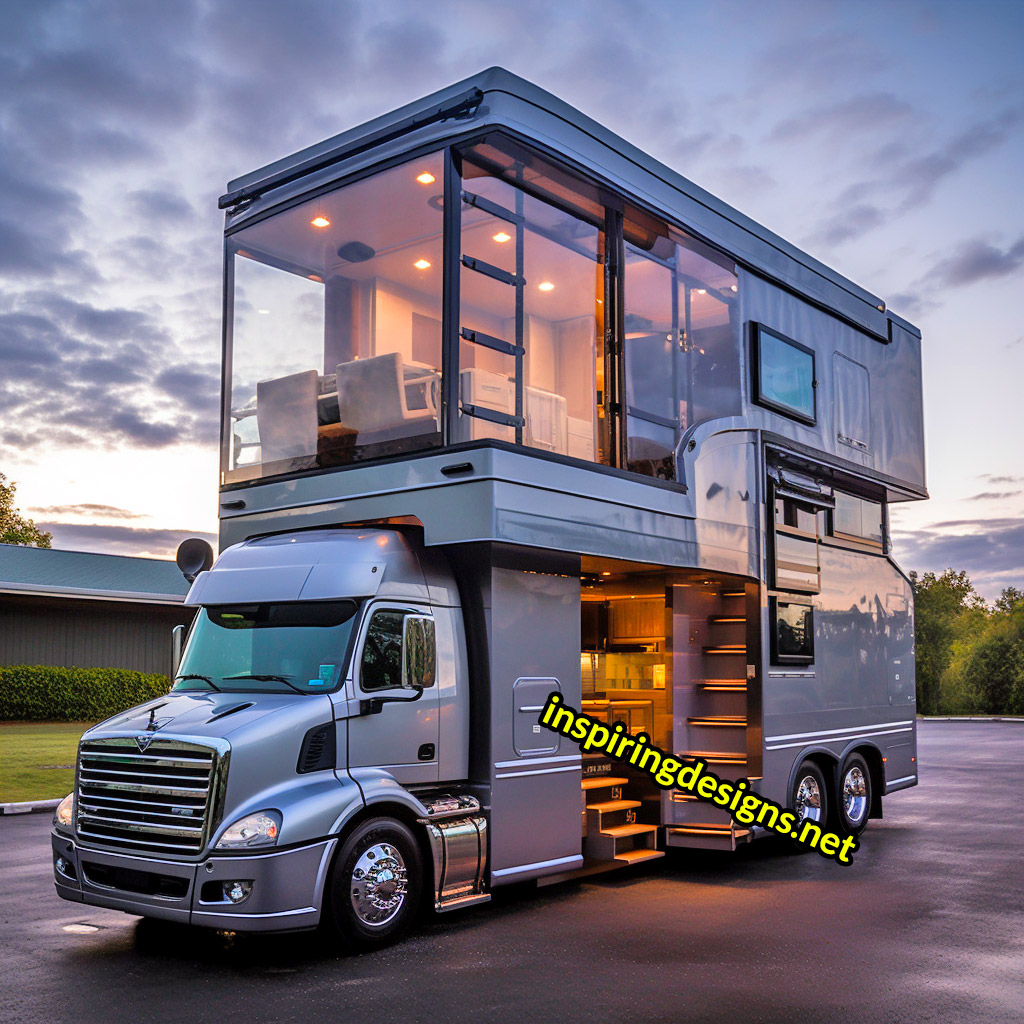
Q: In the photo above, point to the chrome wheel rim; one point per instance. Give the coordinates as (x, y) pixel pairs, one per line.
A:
(378, 884)
(855, 795)
(808, 799)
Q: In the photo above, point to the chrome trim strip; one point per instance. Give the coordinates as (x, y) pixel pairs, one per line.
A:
(541, 771)
(838, 739)
(836, 732)
(538, 760)
(896, 782)
(574, 861)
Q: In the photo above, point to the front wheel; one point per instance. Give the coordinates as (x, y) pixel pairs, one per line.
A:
(854, 796)
(376, 884)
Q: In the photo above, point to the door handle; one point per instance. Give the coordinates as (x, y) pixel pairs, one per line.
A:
(426, 752)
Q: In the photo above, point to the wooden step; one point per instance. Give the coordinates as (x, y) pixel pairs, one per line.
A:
(726, 649)
(723, 685)
(727, 721)
(727, 618)
(716, 756)
(603, 782)
(636, 856)
(607, 806)
(732, 593)
(618, 831)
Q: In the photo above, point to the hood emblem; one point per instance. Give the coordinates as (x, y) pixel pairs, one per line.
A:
(143, 741)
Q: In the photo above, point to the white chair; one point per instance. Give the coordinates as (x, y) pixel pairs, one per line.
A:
(372, 400)
(286, 418)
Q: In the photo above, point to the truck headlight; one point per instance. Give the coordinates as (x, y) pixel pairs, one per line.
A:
(64, 816)
(259, 829)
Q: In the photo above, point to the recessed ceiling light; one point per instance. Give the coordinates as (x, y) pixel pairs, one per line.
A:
(316, 277)
(732, 287)
(422, 264)
(263, 312)
(702, 291)
(546, 286)
(426, 178)
(503, 236)
(320, 221)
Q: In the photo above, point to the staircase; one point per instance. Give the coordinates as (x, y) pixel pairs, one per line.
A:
(715, 729)
(610, 825)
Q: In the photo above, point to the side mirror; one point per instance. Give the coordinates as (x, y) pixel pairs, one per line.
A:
(419, 652)
(177, 647)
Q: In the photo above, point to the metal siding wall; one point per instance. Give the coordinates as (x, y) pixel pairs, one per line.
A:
(88, 635)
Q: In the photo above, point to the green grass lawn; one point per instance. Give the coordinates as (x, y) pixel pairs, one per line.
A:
(37, 759)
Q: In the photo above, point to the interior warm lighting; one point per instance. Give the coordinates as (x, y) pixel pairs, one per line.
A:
(733, 288)
(426, 178)
(422, 264)
(546, 286)
(320, 221)
(702, 291)
(503, 236)
(606, 574)
(316, 277)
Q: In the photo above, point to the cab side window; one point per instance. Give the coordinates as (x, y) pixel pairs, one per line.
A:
(382, 652)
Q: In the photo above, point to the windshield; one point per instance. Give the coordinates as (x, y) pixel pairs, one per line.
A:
(297, 647)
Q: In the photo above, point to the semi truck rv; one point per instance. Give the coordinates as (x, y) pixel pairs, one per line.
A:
(509, 409)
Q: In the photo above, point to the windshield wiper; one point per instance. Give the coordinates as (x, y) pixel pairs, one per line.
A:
(266, 678)
(205, 679)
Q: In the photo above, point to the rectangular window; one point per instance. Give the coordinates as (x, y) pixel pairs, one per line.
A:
(797, 528)
(792, 626)
(336, 327)
(784, 375)
(681, 343)
(531, 284)
(857, 519)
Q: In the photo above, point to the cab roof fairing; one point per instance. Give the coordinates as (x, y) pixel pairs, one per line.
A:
(535, 115)
(314, 565)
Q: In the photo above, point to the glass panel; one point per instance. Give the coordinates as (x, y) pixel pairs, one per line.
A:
(785, 374)
(336, 338)
(268, 647)
(555, 257)
(382, 652)
(793, 634)
(857, 517)
(563, 278)
(796, 563)
(681, 340)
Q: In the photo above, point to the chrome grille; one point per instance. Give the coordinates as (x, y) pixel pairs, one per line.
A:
(161, 800)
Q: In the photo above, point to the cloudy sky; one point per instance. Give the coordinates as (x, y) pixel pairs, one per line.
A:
(885, 138)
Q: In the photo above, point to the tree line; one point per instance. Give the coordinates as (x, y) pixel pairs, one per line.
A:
(970, 655)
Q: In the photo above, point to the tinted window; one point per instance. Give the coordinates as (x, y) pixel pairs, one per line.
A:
(382, 652)
(268, 647)
(792, 632)
(785, 374)
(858, 518)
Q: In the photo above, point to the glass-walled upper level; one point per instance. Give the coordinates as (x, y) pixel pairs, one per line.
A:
(574, 324)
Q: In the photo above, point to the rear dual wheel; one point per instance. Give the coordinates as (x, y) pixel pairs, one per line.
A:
(853, 803)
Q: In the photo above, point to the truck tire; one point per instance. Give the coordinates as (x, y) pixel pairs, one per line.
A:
(853, 796)
(809, 798)
(376, 884)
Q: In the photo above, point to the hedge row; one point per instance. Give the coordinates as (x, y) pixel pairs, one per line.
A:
(35, 693)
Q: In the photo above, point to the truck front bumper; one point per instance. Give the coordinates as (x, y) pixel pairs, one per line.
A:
(287, 886)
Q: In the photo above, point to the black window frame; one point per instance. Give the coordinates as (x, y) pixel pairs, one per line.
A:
(756, 332)
(778, 657)
(867, 543)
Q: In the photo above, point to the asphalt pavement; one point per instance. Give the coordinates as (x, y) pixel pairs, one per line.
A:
(926, 925)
